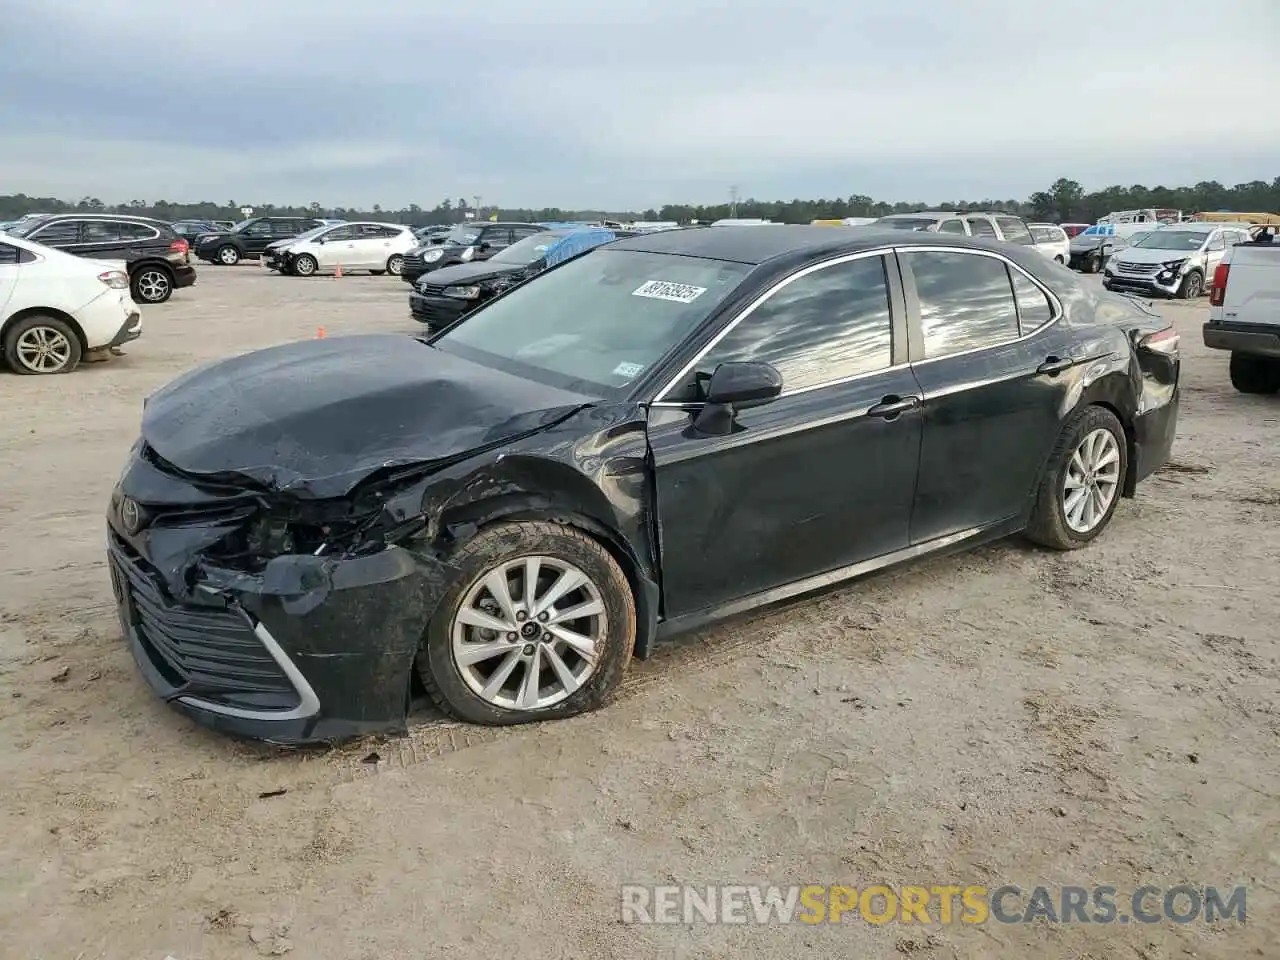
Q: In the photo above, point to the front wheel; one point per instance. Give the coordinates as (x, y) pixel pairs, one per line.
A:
(1192, 286)
(1082, 485)
(539, 624)
(228, 255)
(151, 285)
(1060, 260)
(305, 265)
(1250, 374)
(38, 345)
(395, 264)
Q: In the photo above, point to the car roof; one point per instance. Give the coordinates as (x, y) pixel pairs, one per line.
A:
(751, 245)
(132, 218)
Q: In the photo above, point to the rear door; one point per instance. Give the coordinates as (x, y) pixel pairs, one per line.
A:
(373, 245)
(11, 260)
(990, 354)
(819, 479)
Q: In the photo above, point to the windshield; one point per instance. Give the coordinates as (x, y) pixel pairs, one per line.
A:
(598, 322)
(529, 249)
(24, 227)
(463, 235)
(1172, 240)
(907, 223)
(239, 227)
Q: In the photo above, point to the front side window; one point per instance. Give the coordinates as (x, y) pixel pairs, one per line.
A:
(58, 234)
(827, 325)
(260, 229)
(966, 301)
(1014, 230)
(599, 321)
(340, 233)
(981, 228)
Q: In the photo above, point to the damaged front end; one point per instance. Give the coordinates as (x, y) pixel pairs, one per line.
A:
(265, 615)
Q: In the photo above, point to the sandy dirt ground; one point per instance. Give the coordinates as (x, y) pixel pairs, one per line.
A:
(1009, 715)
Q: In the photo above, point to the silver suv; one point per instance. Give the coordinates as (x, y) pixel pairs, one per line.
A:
(970, 223)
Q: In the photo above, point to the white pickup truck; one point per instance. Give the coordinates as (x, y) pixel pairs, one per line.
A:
(1244, 312)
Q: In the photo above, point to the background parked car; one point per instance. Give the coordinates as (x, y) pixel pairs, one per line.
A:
(430, 236)
(156, 258)
(364, 245)
(1074, 229)
(466, 242)
(972, 223)
(1091, 249)
(1051, 240)
(1177, 260)
(56, 307)
(249, 238)
(442, 296)
(189, 230)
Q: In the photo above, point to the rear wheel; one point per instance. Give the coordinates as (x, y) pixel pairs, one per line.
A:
(395, 264)
(1081, 487)
(304, 265)
(1251, 374)
(1192, 286)
(539, 624)
(228, 255)
(151, 285)
(37, 345)
(1061, 260)
(376, 273)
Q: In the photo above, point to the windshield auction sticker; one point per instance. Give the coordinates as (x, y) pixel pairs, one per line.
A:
(666, 290)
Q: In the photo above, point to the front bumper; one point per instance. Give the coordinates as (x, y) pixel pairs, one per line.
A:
(1252, 339)
(131, 329)
(309, 649)
(1146, 284)
(438, 312)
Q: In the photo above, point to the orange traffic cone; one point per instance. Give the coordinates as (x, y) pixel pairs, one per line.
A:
(319, 333)
(337, 272)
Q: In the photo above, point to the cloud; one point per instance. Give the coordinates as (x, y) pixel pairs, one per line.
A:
(628, 104)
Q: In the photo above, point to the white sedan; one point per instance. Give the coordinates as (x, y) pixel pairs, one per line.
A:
(56, 308)
(376, 247)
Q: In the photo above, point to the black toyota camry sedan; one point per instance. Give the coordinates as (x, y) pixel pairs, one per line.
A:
(653, 435)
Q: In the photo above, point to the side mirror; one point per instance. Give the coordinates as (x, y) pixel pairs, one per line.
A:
(736, 386)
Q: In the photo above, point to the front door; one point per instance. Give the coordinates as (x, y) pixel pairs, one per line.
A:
(339, 247)
(994, 370)
(822, 477)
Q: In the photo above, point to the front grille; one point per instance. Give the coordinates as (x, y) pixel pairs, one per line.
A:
(1137, 269)
(414, 261)
(432, 289)
(206, 652)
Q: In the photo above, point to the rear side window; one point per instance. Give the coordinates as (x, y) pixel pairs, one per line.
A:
(1034, 308)
(137, 231)
(827, 325)
(11, 256)
(58, 234)
(951, 226)
(1014, 230)
(101, 231)
(966, 301)
(981, 228)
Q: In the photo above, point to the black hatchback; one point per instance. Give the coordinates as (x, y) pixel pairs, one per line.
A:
(158, 260)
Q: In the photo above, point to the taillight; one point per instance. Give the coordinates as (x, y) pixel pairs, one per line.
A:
(1162, 341)
(115, 279)
(1218, 288)
(179, 246)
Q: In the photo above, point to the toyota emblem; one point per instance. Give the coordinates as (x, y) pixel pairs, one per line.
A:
(130, 515)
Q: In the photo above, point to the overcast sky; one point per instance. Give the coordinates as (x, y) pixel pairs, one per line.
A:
(620, 104)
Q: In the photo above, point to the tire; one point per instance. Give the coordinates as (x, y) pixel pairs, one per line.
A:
(228, 255)
(1250, 374)
(481, 561)
(1060, 260)
(395, 264)
(1192, 285)
(23, 342)
(1094, 265)
(1108, 286)
(151, 284)
(376, 273)
(1051, 525)
(305, 265)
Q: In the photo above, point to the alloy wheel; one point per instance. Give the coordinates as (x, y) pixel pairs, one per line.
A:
(1092, 481)
(43, 349)
(229, 256)
(395, 265)
(1193, 286)
(527, 634)
(153, 286)
(304, 266)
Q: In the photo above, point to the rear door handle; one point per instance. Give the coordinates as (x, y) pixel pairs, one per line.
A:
(1053, 366)
(892, 407)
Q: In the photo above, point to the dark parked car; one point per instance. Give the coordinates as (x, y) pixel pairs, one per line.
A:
(664, 431)
(464, 243)
(189, 230)
(442, 296)
(249, 238)
(157, 259)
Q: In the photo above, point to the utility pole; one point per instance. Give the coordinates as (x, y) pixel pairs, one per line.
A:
(476, 198)
(733, 203)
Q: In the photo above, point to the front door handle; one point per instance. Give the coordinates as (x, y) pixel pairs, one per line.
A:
(893, 406)
(1053, 366)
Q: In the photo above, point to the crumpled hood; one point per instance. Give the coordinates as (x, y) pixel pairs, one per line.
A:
(315, 418)
(1152, 255)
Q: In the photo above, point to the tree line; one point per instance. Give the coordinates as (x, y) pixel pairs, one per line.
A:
(1063, 201)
